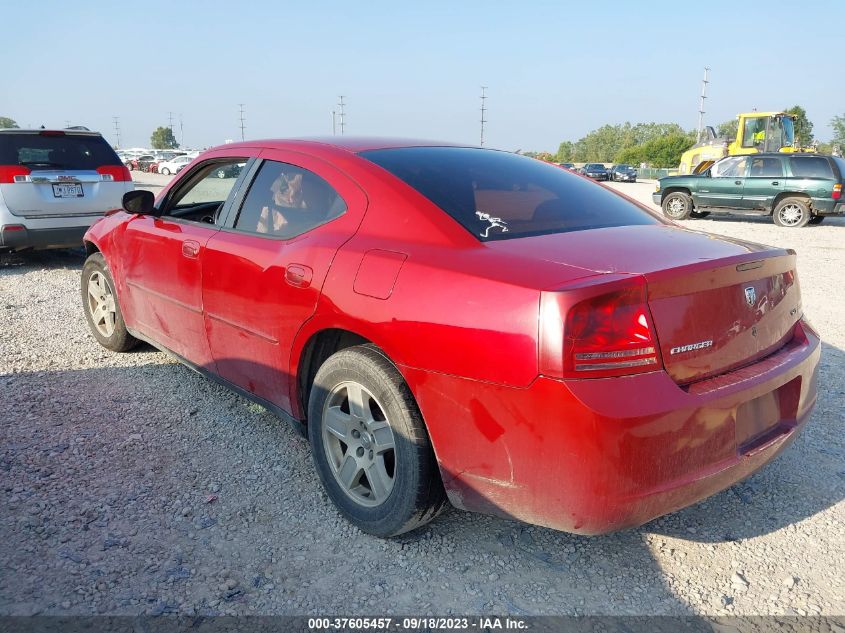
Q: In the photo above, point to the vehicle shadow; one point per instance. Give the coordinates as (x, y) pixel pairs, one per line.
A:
(18, 263)
(165, 486)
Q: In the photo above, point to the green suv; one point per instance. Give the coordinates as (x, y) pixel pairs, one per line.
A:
(795, 189)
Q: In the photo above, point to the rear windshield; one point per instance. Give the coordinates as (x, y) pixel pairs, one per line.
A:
(498, 196)
(594, 166)
(56, 152)
(810, 167)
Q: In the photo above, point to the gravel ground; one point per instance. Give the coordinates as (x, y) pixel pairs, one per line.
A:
(129, 484)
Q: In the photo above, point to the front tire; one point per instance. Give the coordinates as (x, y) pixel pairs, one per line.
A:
(102, 311)
(165, 172)
(370, 445)
(791, 213)
(677, 205)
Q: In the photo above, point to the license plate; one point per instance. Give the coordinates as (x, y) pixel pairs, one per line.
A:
(68, 191)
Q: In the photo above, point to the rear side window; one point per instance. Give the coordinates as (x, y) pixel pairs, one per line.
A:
(285, 201)
(766, 167)
(72, 151)
(497, 195)
(810, 167)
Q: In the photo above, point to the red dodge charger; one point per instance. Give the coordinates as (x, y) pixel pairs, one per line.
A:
(462, 323)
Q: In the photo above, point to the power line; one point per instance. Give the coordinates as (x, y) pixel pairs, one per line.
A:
(241, 106)
(341, 114)
(116, 121)
(704, 83)
(483, 111)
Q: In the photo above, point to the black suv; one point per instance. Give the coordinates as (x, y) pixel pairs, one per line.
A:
(795, 189)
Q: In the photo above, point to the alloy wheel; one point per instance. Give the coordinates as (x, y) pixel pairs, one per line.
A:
(359, 444)
(676, 207)
(791, 215)
(101, 304)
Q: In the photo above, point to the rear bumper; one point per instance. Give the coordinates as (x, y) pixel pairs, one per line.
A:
(594, 456)
(17, 237)
(838, 209)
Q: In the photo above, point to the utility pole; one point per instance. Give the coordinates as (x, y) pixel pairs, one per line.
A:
(334, 123)
(67, 123)
(704, 83)
(241, 106)
(181, 131)
(341, 114)
(170, 114)
(483, 111)
(116, 121)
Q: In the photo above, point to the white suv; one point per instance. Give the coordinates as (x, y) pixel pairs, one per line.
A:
(54, 184)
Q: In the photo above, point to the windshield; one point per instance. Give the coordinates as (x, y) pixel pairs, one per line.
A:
(498, 195)
(594, 166)
(624, 168)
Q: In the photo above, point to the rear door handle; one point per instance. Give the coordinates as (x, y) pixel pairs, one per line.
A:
(737, 182)
(190, 249)
(298, 275)
(775, 183)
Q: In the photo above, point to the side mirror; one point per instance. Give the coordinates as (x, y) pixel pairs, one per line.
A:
(139, 202)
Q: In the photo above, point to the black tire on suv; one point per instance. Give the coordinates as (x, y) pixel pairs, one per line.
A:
(677, 205)
(792, 213)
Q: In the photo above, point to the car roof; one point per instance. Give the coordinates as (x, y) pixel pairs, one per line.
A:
(786, 154)
(15, 130)
(353, 144)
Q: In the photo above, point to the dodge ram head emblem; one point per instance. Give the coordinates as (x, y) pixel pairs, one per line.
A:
(750, 295)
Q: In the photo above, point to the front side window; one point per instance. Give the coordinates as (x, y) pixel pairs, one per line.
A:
(811, 167)
(766, 167)
(285, 201)
(202, 195)
(730, 167)
(498, 195)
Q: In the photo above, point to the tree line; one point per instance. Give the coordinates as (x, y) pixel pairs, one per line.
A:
(661, 144)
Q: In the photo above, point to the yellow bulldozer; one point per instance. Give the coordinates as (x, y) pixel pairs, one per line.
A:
(756, 132)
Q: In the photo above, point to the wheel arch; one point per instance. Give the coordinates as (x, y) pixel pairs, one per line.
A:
(790, 194)
(676, 189)
(314, 349)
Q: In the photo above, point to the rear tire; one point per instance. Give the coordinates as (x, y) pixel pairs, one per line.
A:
(370, 445)
(165, 172)
(677, 206)
(102, 311)
(791, 213)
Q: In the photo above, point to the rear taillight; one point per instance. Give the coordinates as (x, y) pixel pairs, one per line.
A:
(13, 173)
(837, 192)
(118, 173)
(610, 335)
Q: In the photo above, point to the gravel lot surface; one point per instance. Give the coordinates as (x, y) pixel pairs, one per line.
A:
(129, 484)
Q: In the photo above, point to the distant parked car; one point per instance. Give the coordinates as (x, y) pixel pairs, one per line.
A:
(141, 163)
(174, 165)
(795, 189)
(569, 166)
(623, 173)
(54, 184)
(232, 170)
(596, 171)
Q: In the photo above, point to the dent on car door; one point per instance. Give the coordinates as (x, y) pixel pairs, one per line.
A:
(265, 269)
(162, 263)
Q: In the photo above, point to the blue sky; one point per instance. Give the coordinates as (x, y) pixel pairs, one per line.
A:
(554, 70)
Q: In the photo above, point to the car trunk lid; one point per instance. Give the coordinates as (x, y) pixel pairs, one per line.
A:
(716, 303)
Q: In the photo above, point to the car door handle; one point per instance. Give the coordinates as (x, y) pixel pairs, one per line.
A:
(298, 275)
(737, 182)
(775, 183)
(190, 249)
